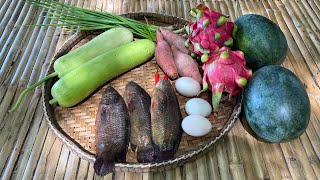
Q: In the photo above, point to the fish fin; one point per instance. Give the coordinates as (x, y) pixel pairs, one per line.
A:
(103, 166)
(133, 147)
(146, 154)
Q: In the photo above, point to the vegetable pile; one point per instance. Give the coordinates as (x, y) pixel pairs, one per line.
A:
(220, 46)
(208, 32)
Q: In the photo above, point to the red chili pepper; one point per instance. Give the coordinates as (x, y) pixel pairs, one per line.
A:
(156, 76)
(166, 77)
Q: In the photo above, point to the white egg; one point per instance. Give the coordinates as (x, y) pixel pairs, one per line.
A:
(198, 106)
(187, 86)
(196, 125)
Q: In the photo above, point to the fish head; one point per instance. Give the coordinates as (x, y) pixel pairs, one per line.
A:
(132, 93)
(161, 96)
(164, 85)
(159, 102)
(110, 96)
(131, 90)
(132, 87)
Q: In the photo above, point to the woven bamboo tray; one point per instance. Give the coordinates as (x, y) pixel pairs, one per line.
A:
(76, 126)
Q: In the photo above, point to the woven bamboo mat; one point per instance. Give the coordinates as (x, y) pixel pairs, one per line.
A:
(28, 149)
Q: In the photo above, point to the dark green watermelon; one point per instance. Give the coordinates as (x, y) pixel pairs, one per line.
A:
(276, 104)
(261, 40)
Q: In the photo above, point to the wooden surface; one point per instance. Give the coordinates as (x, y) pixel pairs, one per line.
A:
(28, 149)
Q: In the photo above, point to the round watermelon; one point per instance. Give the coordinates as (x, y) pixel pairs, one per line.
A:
(261, 40)
(276, 104)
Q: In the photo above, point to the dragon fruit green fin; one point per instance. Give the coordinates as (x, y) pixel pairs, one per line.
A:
(216, 96)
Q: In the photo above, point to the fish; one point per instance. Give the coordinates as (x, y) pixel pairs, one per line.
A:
(112, 130)
(138, 103)
(166, 121)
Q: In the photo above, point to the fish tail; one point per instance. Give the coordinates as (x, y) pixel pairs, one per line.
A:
(121, 156)
(165, 155)
(103, 166)
(145, 154)
(161, 155)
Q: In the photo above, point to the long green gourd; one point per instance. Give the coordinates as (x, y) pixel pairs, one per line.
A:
(102, 43)
(75, 86)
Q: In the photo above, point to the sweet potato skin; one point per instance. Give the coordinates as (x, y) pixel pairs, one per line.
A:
(164, 57)
(174, 39)
(186, 65)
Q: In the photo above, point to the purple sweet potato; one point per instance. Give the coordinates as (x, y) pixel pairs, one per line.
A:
(186, 65)
(164, 57)
(174, 39)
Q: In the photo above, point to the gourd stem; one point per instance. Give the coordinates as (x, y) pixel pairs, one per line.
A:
(53, 101)
(33, 86)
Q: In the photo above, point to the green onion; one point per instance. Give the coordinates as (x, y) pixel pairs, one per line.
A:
(85, 19)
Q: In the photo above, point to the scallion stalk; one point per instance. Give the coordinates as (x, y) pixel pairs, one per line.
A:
(85, 19)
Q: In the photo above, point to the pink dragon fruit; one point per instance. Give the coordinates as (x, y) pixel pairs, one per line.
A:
(207, 32)
(225, 71)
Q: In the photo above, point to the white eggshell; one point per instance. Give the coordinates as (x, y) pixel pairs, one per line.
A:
(198, 106)
(196, 125)
(187, 86)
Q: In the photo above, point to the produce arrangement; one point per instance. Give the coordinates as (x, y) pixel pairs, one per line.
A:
(212, 53)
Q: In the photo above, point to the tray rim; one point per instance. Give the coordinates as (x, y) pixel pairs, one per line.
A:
(74, 147)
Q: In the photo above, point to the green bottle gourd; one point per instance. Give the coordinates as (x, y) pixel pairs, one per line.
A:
(102, 43)
(75, 86)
